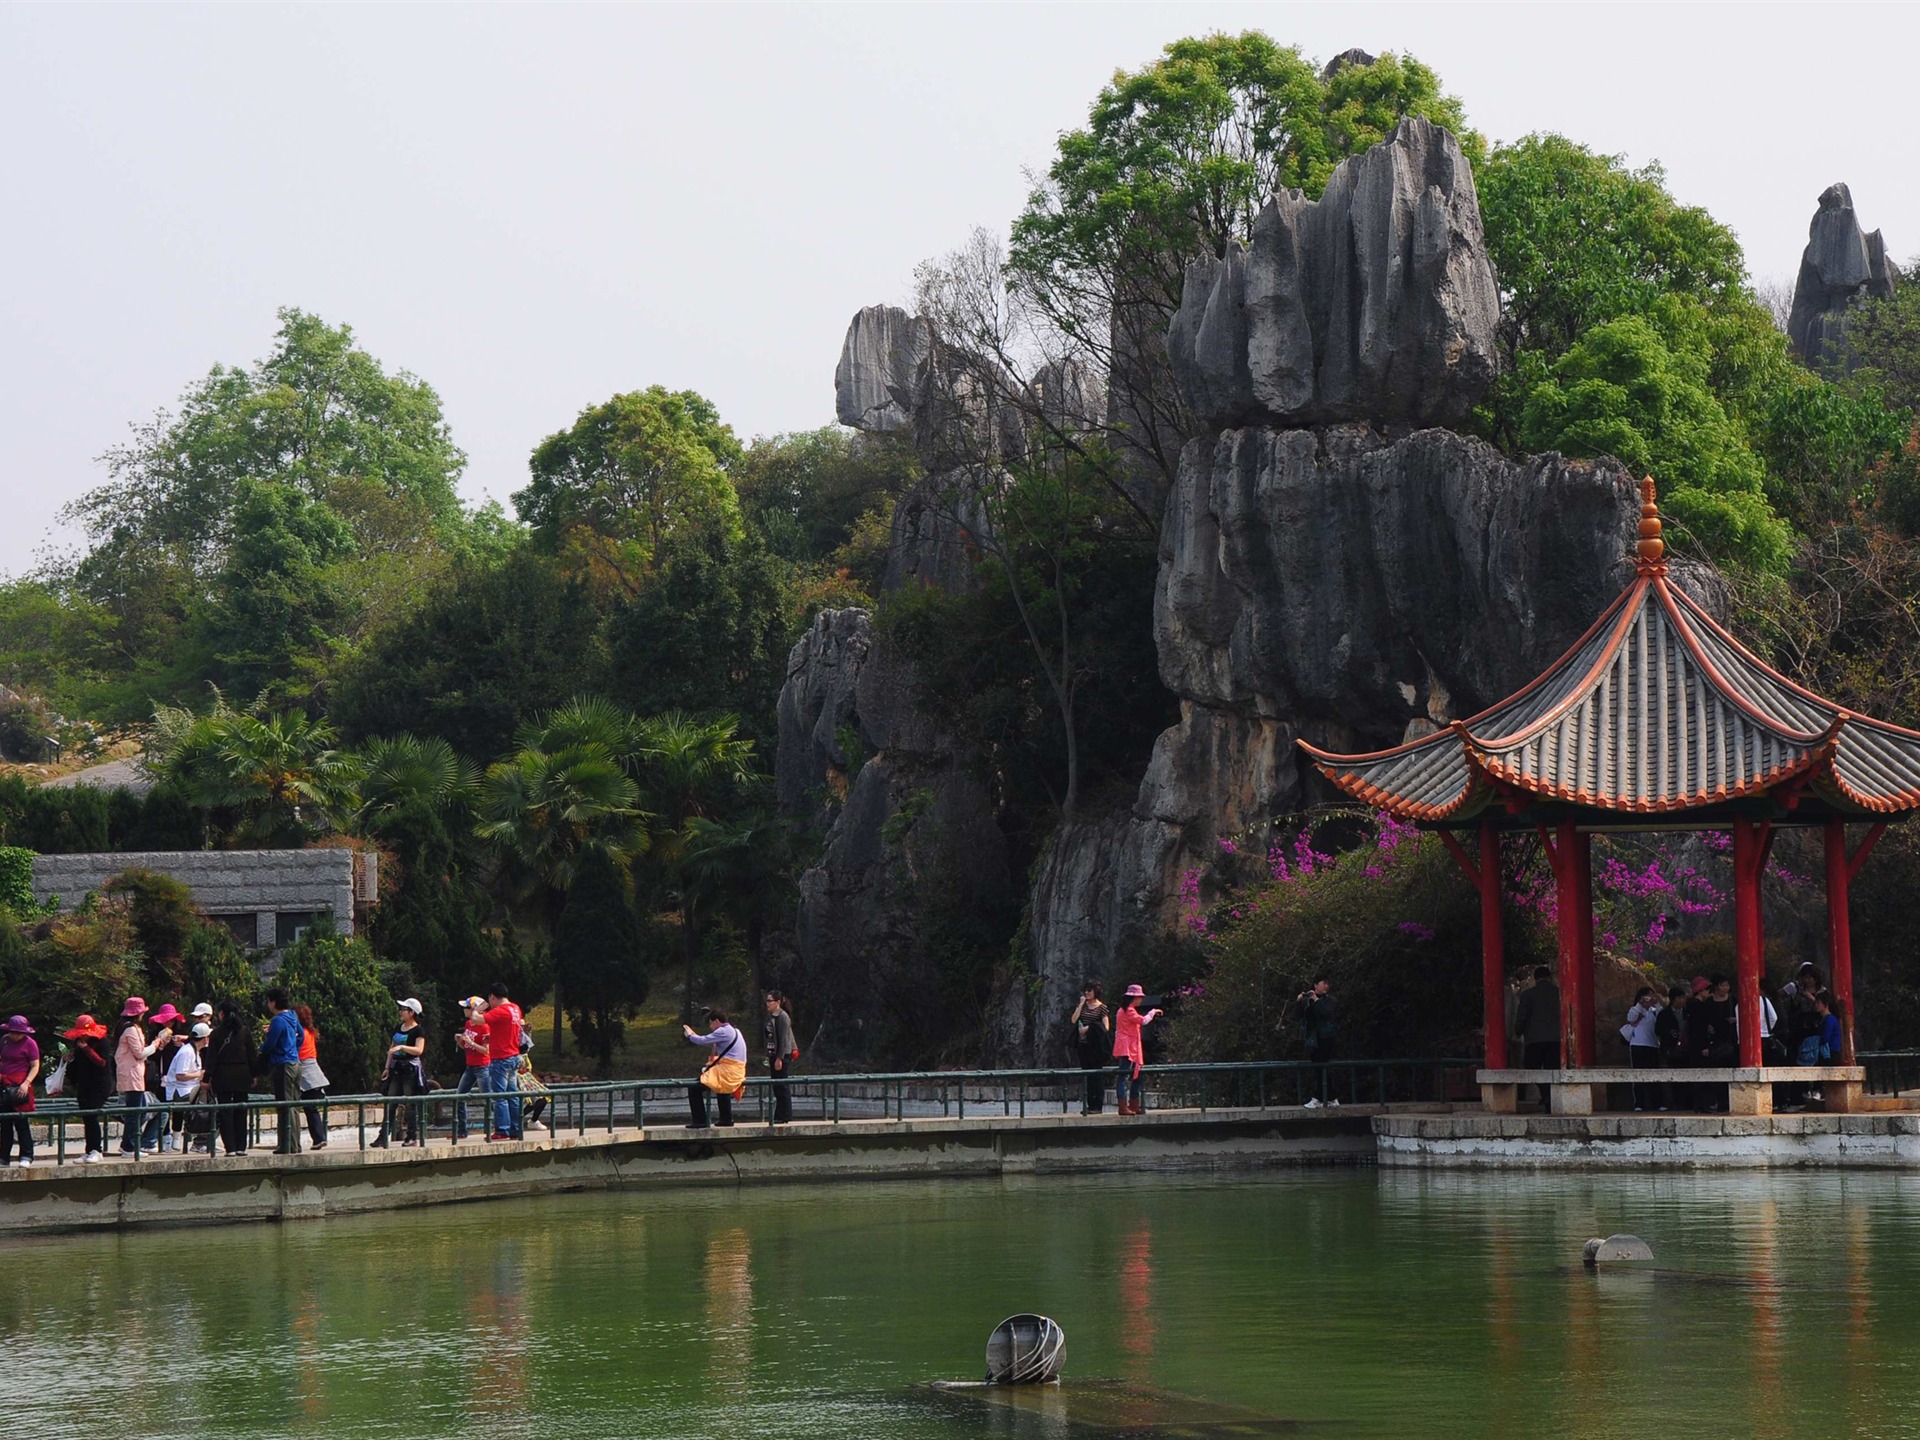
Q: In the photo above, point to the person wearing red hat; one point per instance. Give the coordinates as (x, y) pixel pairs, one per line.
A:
(167, 1049)
(90, 1074)
(19, 1066)
(1128, 1052)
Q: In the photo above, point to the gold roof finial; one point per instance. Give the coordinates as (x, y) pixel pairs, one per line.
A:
(1652, 549)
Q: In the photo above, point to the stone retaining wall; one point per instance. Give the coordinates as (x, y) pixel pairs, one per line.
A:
(1643, 1142)
(197, 1191)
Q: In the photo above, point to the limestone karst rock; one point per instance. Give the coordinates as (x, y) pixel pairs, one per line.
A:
(1375, 302)
(876, 386)
(1840, 266)
(1332, 585)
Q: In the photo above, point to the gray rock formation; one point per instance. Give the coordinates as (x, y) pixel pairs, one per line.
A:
(909, 836)
(877, 384)
(818, 741)
(1376, 302)
(1333, 585)
(1840, 266)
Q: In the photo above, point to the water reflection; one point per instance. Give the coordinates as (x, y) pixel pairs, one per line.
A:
(1381, 1305)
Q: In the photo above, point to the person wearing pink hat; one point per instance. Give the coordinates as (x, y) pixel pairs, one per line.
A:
(1128, 1051)
(131, 1052)
(19, 1065)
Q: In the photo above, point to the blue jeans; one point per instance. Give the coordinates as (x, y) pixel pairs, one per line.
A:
(473, 1077)
(134, 1101)
(1126, 1088)
(506, 1111)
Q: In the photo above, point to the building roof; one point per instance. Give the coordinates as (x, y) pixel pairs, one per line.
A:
(1656, 710)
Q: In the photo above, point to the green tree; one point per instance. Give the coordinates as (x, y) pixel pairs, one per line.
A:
(640, 468)
(401, 776)
(492, 645)
(1826, 448)
(597, 960)
(805, 492)
(709, 633)
(1176, 158)
(689, 770)
(316, 414)
(274, 607)
(1620, 391)
(215, 968)
(1885, 336)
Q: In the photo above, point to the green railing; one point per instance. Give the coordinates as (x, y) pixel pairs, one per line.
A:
(359, 1121)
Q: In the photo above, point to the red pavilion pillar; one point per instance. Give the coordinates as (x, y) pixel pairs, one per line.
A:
(1572, 855)
(1840, 931)
(1493, 950)
(1749, 859)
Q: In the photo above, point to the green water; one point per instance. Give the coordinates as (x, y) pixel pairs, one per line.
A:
(1358, 1304)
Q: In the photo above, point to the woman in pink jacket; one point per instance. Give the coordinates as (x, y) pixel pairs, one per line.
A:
(1127, 1051)
(130, 1054)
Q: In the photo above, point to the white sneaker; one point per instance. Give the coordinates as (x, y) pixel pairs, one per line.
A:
(537, 1125)
(92, 1157)
(1334, 1103)
(1314, 1103)
(26, 1164)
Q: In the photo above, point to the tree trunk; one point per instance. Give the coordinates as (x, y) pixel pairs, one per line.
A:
(756, 929)
(556, 1020)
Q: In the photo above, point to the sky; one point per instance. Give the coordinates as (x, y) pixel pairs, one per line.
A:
(536, 207)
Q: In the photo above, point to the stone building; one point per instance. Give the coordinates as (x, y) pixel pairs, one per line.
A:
(267, 898)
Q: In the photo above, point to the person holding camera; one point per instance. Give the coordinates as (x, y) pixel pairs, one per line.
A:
(1313, 1009)
(1092, 1026)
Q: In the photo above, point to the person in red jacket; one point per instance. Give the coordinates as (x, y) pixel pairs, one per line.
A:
(1128, 1053)
(475, 1043)
(503, 1061)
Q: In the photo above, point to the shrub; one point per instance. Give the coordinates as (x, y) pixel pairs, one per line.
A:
(16, 880)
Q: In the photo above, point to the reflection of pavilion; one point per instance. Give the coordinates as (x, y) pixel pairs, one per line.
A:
(1656, 719)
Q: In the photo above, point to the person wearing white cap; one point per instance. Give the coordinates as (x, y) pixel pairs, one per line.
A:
(185, 1072)
(403, 1078)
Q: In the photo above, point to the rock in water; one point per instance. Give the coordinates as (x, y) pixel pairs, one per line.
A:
(1616, 1250)
(1375, 302)
(1840, 266)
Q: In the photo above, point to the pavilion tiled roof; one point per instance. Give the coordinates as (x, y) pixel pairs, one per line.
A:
(1655, 709)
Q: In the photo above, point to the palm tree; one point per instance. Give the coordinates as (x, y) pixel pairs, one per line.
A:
(272, 779)
(689, 769)
(742, 868)
(543, 809)
(406, 772)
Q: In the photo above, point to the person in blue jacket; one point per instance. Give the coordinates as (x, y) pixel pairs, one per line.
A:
(280, 1059)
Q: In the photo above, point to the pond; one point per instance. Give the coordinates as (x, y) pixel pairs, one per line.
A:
(1354, 1304)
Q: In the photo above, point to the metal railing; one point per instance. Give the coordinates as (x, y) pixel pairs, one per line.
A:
(608, 1106)
(1889, 1072)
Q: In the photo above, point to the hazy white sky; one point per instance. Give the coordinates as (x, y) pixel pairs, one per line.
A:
(536, 207)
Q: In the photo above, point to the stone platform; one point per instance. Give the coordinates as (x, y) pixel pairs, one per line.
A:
(1649, 1142)
(1749, 1088)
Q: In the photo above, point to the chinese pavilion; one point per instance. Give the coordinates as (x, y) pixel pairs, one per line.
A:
(1656, 719)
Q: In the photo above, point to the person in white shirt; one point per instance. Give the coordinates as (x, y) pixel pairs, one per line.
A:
(185, 1071)
(1643, 1045)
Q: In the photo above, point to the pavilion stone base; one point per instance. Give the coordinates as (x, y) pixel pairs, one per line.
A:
(1643, 1143)
(1749, 1089)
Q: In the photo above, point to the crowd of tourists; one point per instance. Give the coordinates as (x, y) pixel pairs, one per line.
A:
(1692, 1026)
(204, 1062)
